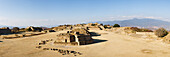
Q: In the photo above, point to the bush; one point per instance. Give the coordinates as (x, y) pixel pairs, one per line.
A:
(105, 26)
(93, 24)
(145, 30)
(101, 24)
(116, 25)
(140, 29)
(15, 29)
(28, 29)
(161, 32)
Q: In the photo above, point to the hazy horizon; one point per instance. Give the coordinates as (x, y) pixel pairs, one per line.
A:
(53, 12)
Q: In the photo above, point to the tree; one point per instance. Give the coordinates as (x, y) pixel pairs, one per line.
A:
(116, 25)
(15, 29)
(161, 32)
(105, 26)
(93, 24)
(101, 24)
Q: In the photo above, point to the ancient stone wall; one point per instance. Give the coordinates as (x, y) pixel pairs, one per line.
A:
(85, 39)
(5, 31)
(34, 29)
(95, 26)
(62, 28)
(65, 37)
(81, 36)
(80, 31)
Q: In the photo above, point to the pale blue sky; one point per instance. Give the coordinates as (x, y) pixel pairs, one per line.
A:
(52, 12)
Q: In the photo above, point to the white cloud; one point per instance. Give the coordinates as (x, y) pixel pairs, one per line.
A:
(151, 17)
(112, 18)
(131, 17)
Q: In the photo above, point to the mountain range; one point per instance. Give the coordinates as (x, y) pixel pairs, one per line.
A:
(141, 23)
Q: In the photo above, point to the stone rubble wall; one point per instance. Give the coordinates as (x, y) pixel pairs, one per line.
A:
(81, 36)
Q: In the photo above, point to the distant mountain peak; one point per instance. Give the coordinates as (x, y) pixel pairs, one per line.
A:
(144, 23)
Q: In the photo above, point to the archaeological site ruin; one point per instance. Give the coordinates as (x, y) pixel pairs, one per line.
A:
(37, 29)
(75, 37)
(5, 30)
(80, 39)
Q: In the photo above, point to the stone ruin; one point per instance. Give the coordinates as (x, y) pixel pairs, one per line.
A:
(48, 31)
(5, 30)
(34, 29)
(62, 27)
(12, 36)
(68, 27)
(61, 51)
(95, 26)
(64, 52)
(75, 37)
(85, 26)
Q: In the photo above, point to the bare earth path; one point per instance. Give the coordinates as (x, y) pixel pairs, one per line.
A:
(109, 45)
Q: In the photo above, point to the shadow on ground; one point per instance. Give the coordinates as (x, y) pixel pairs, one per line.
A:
(97, 41)
(95, 34)
(12, 33)
(1, 41)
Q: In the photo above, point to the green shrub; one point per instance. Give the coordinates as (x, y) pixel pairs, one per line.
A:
(101, 24)
(28, 29)
(105, 26)
(15, 29)
(161, 32)
(116, 25)
(93, 24)
(140, 29)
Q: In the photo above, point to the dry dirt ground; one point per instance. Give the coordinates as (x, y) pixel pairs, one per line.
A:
(108, 44)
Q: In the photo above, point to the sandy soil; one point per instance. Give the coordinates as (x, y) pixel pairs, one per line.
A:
(108, 44)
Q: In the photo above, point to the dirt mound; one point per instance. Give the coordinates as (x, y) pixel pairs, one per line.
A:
(167, 39)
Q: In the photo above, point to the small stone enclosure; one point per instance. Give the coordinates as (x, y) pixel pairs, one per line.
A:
(75, 37)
